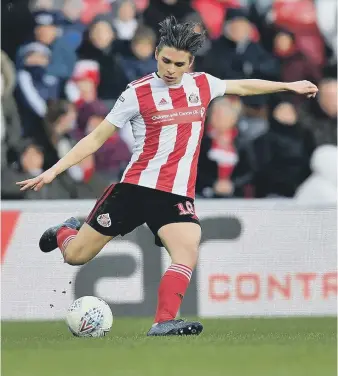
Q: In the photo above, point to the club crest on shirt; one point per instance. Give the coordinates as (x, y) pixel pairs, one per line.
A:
(193, 98)
(104, 220)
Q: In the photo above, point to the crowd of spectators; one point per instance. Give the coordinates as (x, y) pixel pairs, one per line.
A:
(65, 62)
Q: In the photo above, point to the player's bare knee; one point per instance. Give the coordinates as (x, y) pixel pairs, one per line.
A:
(75, 256)
(72, 259)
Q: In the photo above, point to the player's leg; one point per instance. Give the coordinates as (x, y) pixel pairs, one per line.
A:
(79, 248)
(180, 233)
(79, 244)
(182, 240)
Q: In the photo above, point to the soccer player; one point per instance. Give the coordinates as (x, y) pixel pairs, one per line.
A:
(167, 111)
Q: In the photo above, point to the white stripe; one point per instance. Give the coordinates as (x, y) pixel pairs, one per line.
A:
(182, 176)
(180, 272)
(139, 133)
(65, 243)
(188, 271)
(180, 186)
(183, 267)
(32, 96)
(177, 270)
(142, 79)
(166, 145)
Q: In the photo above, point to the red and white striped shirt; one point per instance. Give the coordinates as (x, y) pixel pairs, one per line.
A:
(167, 123)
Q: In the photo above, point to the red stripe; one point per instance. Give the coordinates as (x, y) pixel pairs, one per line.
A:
(152, 136)
(107, 192)
(175, 271)
(145, 78)
(9, 220)
(168, 171)
(187, 273)
(204, 89)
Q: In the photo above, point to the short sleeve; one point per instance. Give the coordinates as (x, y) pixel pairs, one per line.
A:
(217, 86)
(125, 108)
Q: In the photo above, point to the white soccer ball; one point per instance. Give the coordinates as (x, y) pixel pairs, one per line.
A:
(89, 317)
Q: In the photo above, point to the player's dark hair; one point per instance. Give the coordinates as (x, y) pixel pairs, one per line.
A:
(180, 36)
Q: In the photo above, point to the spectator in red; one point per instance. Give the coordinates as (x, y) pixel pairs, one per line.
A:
(218, 156)
(299, 16)
(295, 66)
(213, 13)
(82, 87)
(92, 8)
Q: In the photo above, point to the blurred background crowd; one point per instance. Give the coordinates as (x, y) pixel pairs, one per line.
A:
(65, 62)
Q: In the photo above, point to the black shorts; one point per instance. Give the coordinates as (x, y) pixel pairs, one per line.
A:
(123, 207)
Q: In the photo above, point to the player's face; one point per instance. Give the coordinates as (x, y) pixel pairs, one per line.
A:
(172, 64)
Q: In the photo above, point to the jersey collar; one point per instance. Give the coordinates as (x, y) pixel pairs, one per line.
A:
(155, 74)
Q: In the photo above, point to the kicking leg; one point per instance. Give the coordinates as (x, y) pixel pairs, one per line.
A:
(181, 241)
(77, 245)
(83, 247)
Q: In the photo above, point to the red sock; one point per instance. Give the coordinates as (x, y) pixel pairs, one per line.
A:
(64, 236)
(171, 291)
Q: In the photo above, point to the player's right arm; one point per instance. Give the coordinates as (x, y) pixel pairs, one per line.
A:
(85, 147)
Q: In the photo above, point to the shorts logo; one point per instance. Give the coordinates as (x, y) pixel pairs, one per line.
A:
(104, 220)
(121, 98)
(193, 98)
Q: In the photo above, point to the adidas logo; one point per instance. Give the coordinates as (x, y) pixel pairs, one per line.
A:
(162, 102)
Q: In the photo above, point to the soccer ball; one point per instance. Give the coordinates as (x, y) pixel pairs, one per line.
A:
(89, 317)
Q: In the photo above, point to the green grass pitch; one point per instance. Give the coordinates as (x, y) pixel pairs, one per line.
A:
(227, 347)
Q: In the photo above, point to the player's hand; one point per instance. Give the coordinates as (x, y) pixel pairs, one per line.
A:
(38, 182)
(304, 88)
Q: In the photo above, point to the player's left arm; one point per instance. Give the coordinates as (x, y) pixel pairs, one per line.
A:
(258, 87)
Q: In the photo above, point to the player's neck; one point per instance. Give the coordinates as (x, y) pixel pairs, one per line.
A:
(169, 84)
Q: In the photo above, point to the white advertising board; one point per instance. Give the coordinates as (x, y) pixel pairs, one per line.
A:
(257, 258)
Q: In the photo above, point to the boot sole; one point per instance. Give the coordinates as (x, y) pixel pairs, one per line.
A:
(191, 329)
